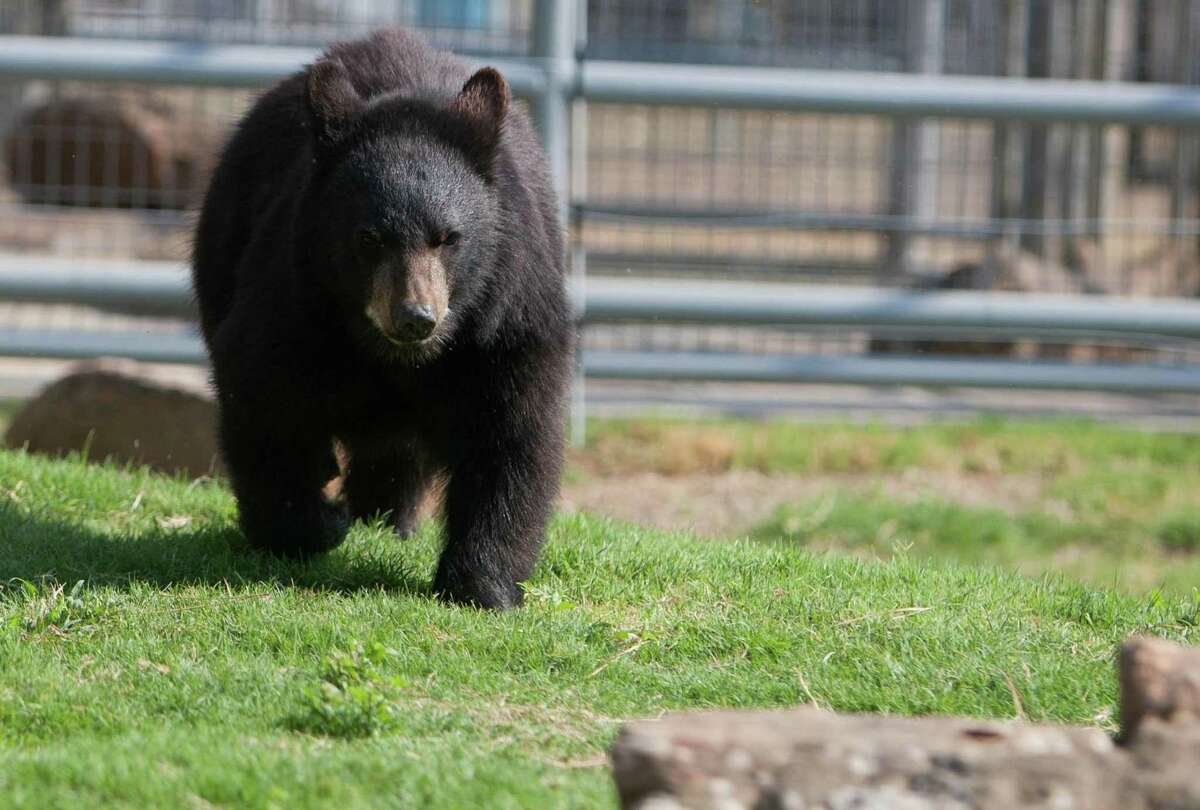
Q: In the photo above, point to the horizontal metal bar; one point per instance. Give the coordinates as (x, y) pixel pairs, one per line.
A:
(857, 370)
(852, 221)
(893, 94)
(848, 271)
(112, 60)
(850, 370)
(187, 63)
(164, 287)
(800, 304)
(159, 347)
(141, 287)
(626, 213)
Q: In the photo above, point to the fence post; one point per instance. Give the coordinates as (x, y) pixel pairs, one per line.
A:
(553, 47)
(915, 169)
(1039, 19)
(557, 33)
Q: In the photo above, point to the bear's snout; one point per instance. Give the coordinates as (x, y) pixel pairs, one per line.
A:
(413, 321)
(407, 304)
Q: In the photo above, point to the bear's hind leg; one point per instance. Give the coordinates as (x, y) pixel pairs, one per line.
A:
(391, 482)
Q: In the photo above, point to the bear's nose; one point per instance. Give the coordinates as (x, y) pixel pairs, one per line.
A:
(414, 322)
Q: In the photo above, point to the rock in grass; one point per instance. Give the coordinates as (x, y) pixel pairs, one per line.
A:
(121, 410)
(805, 758)
(1159, 680)
(808, 758)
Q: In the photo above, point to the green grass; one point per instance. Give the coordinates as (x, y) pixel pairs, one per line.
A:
(8, 408)
(1110, 505)
(148, 659)
(1134, 556)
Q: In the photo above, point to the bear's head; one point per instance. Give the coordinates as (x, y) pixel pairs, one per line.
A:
(402, 207)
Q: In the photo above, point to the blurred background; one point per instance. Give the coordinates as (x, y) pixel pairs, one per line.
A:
(714, 232)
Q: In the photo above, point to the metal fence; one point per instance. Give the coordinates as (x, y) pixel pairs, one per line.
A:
(975, 150)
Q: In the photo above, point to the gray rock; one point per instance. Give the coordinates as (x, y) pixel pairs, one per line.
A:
(125, 411)
(806, 759)
(811, 759)
(1159, 680)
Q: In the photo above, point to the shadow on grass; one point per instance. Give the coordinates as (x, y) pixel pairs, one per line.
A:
(35, 548)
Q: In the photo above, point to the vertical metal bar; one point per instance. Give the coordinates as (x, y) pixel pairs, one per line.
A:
(916, 145)
(1077, 163)
(1098, 71)
(54, 18)
(1033, 179)
(578, 191)
(928, 152)
(578, 415)
(1123, 40)
(554, 40)
(899, 166)
(1008, 58)
(557, 37)
(1183, 157)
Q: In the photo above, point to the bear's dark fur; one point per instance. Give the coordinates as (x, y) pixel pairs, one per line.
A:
(380, 194)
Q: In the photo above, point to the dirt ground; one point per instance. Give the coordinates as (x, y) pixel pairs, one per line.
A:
(731, 503)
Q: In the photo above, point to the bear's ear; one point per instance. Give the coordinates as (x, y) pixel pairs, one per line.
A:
(332, 99)
(484, 103)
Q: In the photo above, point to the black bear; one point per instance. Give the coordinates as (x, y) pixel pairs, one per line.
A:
(379, 262)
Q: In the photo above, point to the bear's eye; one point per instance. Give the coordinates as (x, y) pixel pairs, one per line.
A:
(445, 239)
(368, 238)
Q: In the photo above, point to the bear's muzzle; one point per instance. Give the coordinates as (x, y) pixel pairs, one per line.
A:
(408, 302)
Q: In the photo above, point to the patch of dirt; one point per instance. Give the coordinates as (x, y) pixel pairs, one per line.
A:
(731, 503)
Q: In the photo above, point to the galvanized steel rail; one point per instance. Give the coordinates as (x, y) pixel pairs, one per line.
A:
(163, 288)
(857, 370)
(891, 94)
(813, 305)
(184, 347)
(187, 63)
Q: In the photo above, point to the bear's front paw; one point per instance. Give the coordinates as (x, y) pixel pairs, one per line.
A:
(405, 527)
(477, 591)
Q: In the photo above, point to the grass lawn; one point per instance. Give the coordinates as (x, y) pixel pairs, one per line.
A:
(147, 659)
(1110, 505)
(8, 407)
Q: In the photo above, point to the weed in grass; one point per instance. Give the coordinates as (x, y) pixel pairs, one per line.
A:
(49, 607)
(354, 698)
(1180, 532)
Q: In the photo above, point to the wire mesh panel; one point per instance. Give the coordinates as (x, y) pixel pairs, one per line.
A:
(802, 192)
(860, 34)
(489, 26)
(968, 37)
